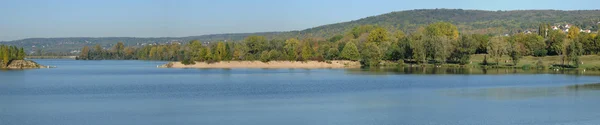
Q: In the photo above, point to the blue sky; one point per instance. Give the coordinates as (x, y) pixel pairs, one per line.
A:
(173, 18)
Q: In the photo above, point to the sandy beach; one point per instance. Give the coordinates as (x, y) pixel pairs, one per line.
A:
(271, 64)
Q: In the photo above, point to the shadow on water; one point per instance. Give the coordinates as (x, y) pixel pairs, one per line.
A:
(464, 71)
(511, 93)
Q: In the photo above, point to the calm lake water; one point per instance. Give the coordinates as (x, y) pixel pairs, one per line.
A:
(138, 93)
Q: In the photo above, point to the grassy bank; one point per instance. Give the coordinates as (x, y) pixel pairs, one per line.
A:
(590, 62)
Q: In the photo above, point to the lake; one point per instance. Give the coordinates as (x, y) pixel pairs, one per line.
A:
(138, 93)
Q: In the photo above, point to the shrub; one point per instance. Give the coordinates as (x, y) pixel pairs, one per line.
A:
(540, 53)
(265, 57)
(187, 62)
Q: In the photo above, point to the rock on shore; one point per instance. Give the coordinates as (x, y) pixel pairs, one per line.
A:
(23, 64)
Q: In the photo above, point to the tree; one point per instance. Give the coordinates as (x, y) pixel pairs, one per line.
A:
(239, 51)
(417, 46)
(371, 55)
(119, 47)
(399, 35)
(573, 32)
(359, 30)
(221, 52)
(264, 56)
(21, 54)
(118, 50)
(5, 57)
(98, 52)
(307, 51)
(291, 49)
(442, 29)
(554, 42)
(274, 55)
(482, 42)
(515, 52)
(350, 52)
(332, 53)
(84, 53)
(497, 47)
(194, 47)
(439, 48)
(209, 57)
(396, 51)
(378, 35)
(574, 50)
(255, 44)
(464, 48)
(543, 30)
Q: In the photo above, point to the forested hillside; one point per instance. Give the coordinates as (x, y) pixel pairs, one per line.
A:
(467, 22)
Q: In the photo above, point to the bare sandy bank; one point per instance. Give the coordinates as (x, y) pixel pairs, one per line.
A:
(271, 64)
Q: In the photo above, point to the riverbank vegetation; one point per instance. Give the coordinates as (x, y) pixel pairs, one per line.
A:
(435, 44)
(10, 53)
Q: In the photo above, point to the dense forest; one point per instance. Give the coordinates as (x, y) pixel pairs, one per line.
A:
(467, 22)
(436, 43)
(10, 53)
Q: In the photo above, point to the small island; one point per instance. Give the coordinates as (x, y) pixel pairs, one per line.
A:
(14, 58)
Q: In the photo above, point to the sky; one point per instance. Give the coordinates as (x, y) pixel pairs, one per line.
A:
(21, 19)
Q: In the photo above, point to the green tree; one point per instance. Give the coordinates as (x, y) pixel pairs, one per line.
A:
(194, 47)
(554, 41)
(371, 55)
(497, 48)
(350, 52)
(464, 48)
(256, 44)
(332, 53)
(359, 30)
(399, 35)
(210, 57)
(264, 56)
(482, 42)
(274, 55)
(221, 52)
(573, 51)
(442, 29)
(418, 47)
(291, 49)
(378, 35)
(21, 54)
(515, 52)
(307, 51)
(118, 50)
(5, 57)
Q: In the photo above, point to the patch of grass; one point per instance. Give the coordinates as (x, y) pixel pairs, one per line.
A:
(590, 62)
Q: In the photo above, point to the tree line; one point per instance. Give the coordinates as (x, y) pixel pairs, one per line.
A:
(10, 53)
(436, 43)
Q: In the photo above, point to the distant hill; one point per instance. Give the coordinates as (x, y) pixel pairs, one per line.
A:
(468, 21)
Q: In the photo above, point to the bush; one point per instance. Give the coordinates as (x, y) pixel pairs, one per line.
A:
(265, 57)
(540, 53)
(188, 62)
(526, 66)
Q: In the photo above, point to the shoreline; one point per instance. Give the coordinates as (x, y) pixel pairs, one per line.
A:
(268, 65)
